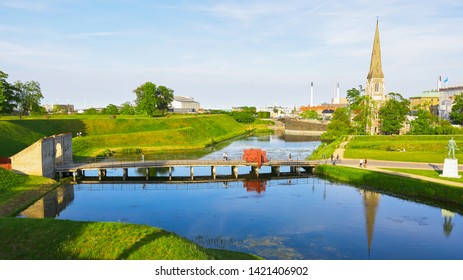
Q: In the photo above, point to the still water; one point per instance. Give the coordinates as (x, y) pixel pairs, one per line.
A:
(300, 218)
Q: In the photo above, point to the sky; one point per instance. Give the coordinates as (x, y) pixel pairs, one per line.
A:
(227, 53)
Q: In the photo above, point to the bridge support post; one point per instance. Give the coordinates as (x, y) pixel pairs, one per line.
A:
(124, 173)
(170, 173)
(234, 170)
(192, 173)
(213, 172)
(101, 174)
(255, 171)
(147, 174)
(276, 170)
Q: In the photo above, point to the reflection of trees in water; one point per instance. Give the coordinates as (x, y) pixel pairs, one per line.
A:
(448, 225)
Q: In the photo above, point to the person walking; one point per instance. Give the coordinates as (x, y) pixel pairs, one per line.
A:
(365, 163)
(142, 157)
(361, 162)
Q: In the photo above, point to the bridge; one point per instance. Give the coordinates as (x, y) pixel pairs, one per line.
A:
(78, 169)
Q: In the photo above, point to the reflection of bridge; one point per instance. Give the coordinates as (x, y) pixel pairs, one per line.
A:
(78, 169)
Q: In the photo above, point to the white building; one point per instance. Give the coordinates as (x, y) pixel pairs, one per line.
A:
(184, 104)
(446, 100)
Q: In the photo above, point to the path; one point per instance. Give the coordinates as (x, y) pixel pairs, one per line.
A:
(379, 165)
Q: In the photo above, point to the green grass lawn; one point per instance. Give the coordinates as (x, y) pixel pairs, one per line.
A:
(426, 173)
(418, 148)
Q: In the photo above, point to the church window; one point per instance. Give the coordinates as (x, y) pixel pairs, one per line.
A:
(376, 87)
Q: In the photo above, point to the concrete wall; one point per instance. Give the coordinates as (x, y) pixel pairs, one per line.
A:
(41, 157)
(302, 127)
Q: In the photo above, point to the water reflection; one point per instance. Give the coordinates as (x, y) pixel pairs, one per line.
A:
(370, 203)
(448, 224)
(51, 205)
(257, 186)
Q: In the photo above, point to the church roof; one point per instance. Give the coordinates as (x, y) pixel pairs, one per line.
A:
(376, 69)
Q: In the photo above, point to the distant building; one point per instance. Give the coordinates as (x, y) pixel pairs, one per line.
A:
(446, 100)
(427, 100)
(184, 104)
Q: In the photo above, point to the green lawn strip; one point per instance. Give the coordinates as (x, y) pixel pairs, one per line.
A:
(431, 193)
(426, 173)
(50, 239)
(411, 148)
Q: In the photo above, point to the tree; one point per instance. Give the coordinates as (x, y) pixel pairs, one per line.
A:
(340, 125)
(456, 115)
(29, 97)
(111, 109)
(423, 124)
(127, 109)
(151, 98)
(360, 110)
(393, 113)
(309, 114)
(8, 95)
(91, 111)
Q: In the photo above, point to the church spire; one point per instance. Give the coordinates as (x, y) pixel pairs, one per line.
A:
(376, 69)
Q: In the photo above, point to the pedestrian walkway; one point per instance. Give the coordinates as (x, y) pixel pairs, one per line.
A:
(379, 165)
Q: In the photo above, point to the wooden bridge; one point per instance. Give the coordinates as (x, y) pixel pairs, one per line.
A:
(78, 169)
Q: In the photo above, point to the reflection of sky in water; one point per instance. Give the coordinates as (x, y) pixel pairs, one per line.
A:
(303, 219)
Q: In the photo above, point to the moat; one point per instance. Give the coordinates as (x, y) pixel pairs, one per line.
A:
(298, 218)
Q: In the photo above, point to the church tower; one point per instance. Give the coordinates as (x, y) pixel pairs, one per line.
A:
(375, 86)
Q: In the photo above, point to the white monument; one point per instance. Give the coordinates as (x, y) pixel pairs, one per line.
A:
(451, 163)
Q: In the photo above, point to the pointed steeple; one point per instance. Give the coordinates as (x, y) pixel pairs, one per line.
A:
(376, 68)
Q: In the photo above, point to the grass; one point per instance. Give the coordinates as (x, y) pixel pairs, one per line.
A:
(426, 173)
(123, 133)
(435, 194)
(49, 239)
(418, 148)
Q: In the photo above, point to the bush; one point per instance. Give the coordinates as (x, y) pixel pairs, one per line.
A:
(9, 180)
(243, 117)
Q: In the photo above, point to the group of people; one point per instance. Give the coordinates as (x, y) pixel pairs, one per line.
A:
(334, 159)
(363, 163)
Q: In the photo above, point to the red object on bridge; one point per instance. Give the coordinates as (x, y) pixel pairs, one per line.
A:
(5, 163)
(255, 155)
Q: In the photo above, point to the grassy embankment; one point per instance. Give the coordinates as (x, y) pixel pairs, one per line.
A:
(123, 134)
(418, 148)
(435, 194)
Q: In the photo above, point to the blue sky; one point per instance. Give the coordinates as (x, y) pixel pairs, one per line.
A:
(227, 53)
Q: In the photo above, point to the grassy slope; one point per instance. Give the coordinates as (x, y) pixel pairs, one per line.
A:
(61, 239)
(426, 148)
(100, 133)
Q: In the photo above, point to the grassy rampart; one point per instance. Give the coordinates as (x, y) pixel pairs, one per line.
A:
(444, 196)
(102, 133)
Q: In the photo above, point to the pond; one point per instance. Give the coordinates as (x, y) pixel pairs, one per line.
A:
(298, 218)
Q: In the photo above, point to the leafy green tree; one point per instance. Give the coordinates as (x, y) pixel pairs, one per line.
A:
(91, 111)
(151, 98)
(360, 110)
(423, 124)
(8, 95)
(29, 97)
(456, 115)
(127, 109)
(340, 125)
(111, 109)
(309, 114)
(243, 117)
(393, 113)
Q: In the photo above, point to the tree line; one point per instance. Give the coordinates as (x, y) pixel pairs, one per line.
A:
(19, 97)
(353, 119)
